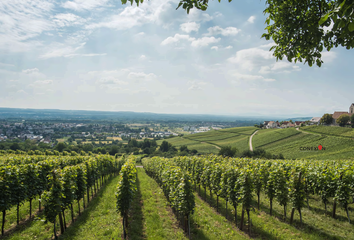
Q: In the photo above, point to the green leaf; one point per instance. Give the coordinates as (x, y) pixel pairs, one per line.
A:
(351, 26)
(323, 19)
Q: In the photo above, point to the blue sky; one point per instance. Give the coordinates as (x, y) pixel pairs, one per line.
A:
(102, 55)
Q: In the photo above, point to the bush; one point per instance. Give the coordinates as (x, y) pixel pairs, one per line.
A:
(228, 151)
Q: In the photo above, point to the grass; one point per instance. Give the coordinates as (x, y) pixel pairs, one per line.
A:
(240, 130)
(268, 136)
(207, 224)
(151, 216)
(316, 224)
(151, 209)
(39, 229)
(11, 215)
(211, 141)
(203, 148)
(100, 220)
(330, 130)
(289, 141)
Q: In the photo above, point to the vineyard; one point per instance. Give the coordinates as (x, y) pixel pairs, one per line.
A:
(206, 197)
(59, 182)
(289, 141)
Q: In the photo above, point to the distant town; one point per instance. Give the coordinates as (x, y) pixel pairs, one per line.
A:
(338, 118)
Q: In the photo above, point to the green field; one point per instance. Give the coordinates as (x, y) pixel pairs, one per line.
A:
(288, 142)
(211, 141)
(330, 130)
(338, 142)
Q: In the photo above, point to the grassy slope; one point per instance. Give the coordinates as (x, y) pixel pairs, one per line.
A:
(100, 220)
(203, 142)
(160, 222)
(330, 130)
(151, 216)
(316, 224)
(289, 141)
(38, 229)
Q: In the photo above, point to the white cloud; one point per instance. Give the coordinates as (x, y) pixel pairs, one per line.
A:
(6, 64)
(110, 80)
(251, 58)
(176, 38)
(194, 85)
(85, 55)
(228, 47)
(263, 61)
(247, 77)
(68, 19)
(141, 76)
(21, 21)
(218, 14)
(329, 28)
(204, 41)
(269, 45)
(142, 57)
(199, 16)
(31, 71)
(264, 70)
(229, 31)
(81, 5)
(251, 19)
(281, 65)
(328, 57)
(189, 27)
(41, 84)
(214, 47)
(63, 50)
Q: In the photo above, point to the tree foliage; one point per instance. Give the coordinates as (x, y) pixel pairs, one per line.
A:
(343, 120)
(298, 27)
(228, 151)
(326, 118)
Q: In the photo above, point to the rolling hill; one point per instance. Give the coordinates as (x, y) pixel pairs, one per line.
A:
(212, 141)
(337, 142)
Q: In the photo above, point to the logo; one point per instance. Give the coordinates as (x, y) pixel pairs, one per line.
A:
(318, 148)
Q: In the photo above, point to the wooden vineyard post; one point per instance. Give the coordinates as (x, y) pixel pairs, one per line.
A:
(189, 226)
(242, 218)
(3, 222)
(292, 215)
(55, 231)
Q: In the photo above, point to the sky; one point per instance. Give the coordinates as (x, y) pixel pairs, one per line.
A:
(102, 55)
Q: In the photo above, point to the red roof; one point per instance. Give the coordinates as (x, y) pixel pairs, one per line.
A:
(336, 115)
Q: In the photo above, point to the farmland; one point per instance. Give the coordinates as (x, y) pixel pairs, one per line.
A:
(330, 130)
(211, 141)
(289, 141)
(151, 215)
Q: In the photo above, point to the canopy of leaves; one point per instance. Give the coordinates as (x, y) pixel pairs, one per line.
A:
(343, 120)
(227, 151)
(297, 26)
(326, 119)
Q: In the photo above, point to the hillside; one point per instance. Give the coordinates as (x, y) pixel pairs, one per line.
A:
(211, 141)
(330, 130)
(336, 141)
(290, 142)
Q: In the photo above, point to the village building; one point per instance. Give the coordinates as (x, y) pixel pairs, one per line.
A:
(336, 115)
(298, 123)
(271, 124)
(315, 120)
